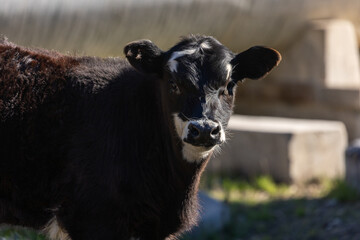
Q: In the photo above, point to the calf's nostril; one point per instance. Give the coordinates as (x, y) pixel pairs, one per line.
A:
(215, 131)
(194, 131)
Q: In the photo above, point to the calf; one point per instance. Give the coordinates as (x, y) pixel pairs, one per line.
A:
(96, 148)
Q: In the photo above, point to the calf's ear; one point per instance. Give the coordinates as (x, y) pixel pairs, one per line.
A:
(254, 63)
(145, 56)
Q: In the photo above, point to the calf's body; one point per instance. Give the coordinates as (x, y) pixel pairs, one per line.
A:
(92, 148)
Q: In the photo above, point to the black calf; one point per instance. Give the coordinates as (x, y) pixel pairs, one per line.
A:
(96, 148)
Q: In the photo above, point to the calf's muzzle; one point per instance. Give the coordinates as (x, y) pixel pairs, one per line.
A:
(206, 133)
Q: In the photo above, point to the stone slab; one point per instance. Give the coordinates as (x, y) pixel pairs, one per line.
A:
(289, 150)
(336, 111)
(318, 78)
(325, 56)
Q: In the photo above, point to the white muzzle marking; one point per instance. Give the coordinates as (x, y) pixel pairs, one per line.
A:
(193, 153)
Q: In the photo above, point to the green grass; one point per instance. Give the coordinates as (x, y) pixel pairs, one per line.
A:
(263, 188)
(342, 192)
(232, 189)
(267, 185)
(17, 233)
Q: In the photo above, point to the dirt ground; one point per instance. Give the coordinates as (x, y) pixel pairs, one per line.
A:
(315, 219)
(263, 210)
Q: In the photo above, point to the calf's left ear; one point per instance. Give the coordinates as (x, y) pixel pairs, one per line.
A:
(254, 63)
(145, 56)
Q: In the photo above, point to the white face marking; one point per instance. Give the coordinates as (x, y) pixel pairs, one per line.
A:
(229, 70)
(195, 154)
(222, 134)
(172, 63)
(192, 153)
(54, 231)
(185, 131)
(205, 45)
(179, 125)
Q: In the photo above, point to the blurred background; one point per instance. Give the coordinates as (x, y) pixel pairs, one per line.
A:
(291, 169)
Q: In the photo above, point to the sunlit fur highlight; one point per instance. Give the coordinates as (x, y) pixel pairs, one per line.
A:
(229, 69)
(54, 231)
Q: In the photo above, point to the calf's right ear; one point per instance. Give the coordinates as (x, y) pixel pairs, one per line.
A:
(145, 56)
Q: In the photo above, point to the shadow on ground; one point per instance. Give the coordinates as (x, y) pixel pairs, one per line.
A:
(291, 219)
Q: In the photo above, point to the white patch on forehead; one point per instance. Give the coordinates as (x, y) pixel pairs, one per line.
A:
(229, 70)
(205, 45)
(172, 63)
(54, 231)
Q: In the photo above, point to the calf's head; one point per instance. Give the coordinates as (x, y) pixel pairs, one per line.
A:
(200, 75)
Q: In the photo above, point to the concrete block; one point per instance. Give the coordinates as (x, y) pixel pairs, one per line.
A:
(318, 78)
(332, 110)
(289, 150)
(326, 56)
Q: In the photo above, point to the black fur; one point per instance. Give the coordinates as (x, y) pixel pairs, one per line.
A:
(91, 141)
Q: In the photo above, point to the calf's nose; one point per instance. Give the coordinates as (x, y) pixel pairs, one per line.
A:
(203, 133)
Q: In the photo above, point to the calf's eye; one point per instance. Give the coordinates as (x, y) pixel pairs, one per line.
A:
(222, 92)
(173, 87)
(230, 87)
